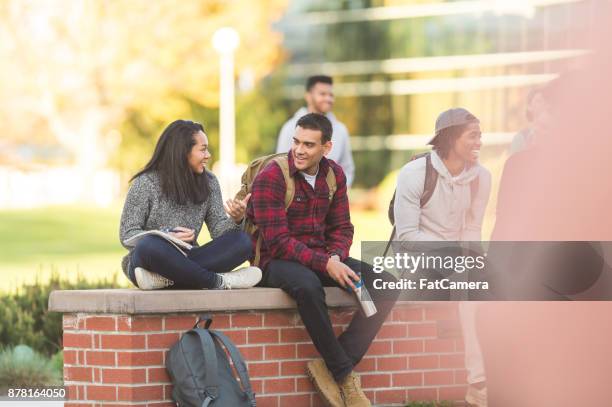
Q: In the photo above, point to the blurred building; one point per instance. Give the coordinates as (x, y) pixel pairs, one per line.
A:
(397, 64)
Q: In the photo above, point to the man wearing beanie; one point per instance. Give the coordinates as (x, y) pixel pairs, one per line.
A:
(442, 196)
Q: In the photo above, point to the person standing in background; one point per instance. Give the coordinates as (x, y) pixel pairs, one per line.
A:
(320, 99)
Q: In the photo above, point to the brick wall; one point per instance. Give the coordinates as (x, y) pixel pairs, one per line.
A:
(119, 359)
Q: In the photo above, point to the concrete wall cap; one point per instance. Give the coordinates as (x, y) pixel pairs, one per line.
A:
(134, 301)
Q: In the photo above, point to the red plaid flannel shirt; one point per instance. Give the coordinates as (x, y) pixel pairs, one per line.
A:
(312, 229)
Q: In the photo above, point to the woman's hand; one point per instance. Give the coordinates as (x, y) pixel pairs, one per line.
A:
(236, 208)
(185, 234)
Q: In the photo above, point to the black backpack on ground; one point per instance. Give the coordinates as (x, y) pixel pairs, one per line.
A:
(201, 373)
(429, 185)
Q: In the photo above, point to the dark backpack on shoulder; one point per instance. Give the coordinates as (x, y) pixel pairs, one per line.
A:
(201, 373)
(429, 186)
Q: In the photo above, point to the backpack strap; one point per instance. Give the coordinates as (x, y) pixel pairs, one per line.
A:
(431, 179)
(332, 185)
(211, 387)
(239, 364)
(283, 163)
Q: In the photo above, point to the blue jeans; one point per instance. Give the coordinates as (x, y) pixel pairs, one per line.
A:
(196, 270)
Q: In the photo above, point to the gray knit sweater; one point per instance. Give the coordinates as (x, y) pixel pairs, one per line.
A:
(147, 208)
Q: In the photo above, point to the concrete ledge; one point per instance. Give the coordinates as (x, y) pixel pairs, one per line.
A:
(134, 301)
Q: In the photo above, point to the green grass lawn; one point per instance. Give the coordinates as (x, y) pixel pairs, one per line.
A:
(79, 240)
(66, 240)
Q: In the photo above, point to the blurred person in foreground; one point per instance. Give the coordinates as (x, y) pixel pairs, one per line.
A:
(558, 353)
(305, 247)
(175, 194)
(319, 98)
(452, 212)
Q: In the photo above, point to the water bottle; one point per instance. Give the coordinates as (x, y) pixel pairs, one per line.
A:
(364, 298)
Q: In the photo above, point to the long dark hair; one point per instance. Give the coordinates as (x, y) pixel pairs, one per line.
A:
(169, 161)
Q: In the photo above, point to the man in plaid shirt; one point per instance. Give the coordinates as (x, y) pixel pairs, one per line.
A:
(306, 247)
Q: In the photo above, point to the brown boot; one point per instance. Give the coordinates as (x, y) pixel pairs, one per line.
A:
(324, 382)
(353, 396)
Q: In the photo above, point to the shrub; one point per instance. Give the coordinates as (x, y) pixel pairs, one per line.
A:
(22, 367)
(26, 320)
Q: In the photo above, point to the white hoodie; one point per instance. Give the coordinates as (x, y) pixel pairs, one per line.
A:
(341, 145)
(449, 214)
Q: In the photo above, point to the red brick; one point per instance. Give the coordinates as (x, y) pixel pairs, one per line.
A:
(296, 400)
(306, 350)
(293, 367)
(179, 322)
(391, 363)
(161, 341)
(274, 352)
(247, 320)
(123, 341)
(454, 393)
(151, 358)
(238, 337)
(263, 369)
(168, 391)
(303, 385)
(97, 341)
(252, 353)
(78, 374)
(366, 365)
(100, 323)
(274, 319)
(294, 335)
(422, 394)
(461, 376)
(101, 393)
(100, 358)
(459, 345)
(423, 362)
(422, 330)
(444, 377)
(71, 392)
(441, 312)
(375, 380)
(221, 321)
(73, 340)
(341, 317)
(279, 385)
(157, 375)
(97, 375)
(380, 348)
(267, 401)
(70, 322)
(405, 346)
(409, 379)
(452, 361)
(316, 401)
(140, 393)
(257, 385)
(263, 336)
(390, 396)
(128, 376)
(70, 357)
(439, 345)
(407, 314)
(392, 331)
(139, 324)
